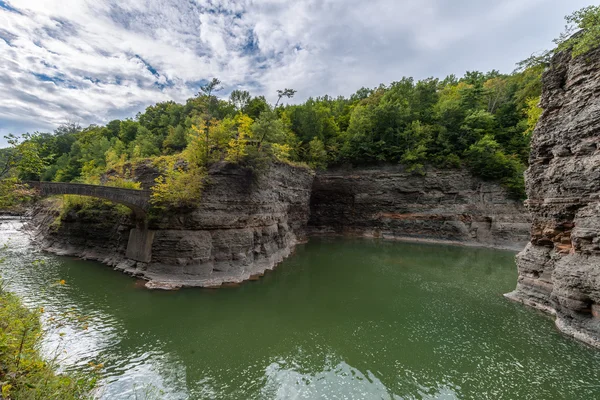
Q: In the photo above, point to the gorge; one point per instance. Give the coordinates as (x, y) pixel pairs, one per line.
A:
(559, 270)
(245, 226)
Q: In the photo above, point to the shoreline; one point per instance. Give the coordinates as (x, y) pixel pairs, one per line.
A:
(156, 281)
(562, 325)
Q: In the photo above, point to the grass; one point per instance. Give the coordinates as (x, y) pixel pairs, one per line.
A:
(24, 374)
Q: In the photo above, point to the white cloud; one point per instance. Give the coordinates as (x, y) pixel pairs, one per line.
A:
(94, 60)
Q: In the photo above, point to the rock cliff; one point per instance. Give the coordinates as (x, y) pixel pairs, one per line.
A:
(242, 227)
(442, 205)
(559, 270)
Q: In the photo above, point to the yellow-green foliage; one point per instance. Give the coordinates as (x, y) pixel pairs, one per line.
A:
(587, 20)
(281, 151)
(14, 194)
(236, 148)
(179, 186)
(534, 112)
(123, 183)
(24, 375)
(88, 206)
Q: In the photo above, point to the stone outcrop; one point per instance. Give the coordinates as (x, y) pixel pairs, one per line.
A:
(391, 203)
(245, 225)
(242, 227)
(559, 271)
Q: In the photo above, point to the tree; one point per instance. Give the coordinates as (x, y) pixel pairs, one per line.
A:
(257, 106)
(268, 129)
(486, 159)
(23, 157)
(534, 112)
(175, 140)
(317, 155)
(495, 92)
(289, 93)
(210, 87)
(581, 34)
(128, 130)
(236, 150)
(587, 20)
(145, 144)
(240, 99)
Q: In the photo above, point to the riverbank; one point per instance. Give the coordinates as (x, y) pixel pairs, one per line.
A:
(24, 374)
(244, 227)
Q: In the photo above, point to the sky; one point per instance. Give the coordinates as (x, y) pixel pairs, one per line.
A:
(92, 61)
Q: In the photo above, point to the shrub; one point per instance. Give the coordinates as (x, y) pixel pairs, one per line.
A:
(14, 194)
(23, 372)
(179, 186)
(486, 160)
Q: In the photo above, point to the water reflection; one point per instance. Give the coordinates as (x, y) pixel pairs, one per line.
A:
(341, 319)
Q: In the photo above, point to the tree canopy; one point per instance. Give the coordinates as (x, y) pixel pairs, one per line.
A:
(481, 121)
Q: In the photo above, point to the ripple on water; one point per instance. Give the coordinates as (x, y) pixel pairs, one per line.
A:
(341, 319)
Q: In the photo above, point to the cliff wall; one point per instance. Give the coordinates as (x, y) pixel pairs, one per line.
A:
(443, 205)
(559, 270)
(242, 227)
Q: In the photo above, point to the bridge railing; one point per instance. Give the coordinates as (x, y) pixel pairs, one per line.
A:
(40, 185)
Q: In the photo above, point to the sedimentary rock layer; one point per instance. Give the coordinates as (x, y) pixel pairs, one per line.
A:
(389, 202)
(246, 224)
(243, 226)
(559, 271)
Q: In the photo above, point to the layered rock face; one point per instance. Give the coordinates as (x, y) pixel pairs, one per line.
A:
(242, 227)
(389, 202)
(559, 271)
(245, 225)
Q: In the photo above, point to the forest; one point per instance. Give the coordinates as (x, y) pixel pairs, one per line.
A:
(480, 121)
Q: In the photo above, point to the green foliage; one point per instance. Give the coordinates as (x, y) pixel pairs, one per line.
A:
(534, 112)
(483, 120)
(587, 22)
(90, 208)
(317, 156)
(179, 186)
(581, 35)
(24, 375)
(175, 140)
(14, 194)
(24, 157)
(486, 159)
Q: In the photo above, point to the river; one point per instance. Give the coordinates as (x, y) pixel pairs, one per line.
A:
(340, 319)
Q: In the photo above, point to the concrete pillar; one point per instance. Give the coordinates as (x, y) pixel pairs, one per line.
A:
(139, 246)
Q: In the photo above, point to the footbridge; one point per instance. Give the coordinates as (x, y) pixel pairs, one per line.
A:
(137, 200)
(139, 246)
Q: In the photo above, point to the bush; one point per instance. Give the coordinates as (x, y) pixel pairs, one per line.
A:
(14, 194)
(23, 372)
(486, 160)
(180, 186)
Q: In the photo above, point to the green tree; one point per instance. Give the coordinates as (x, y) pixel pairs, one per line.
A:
(175, 140)
(240, 99)
(317, 155)
(23, 157)
(587, 22)
(289, 93)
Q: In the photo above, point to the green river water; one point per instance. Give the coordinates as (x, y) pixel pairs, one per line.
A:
(340, 319)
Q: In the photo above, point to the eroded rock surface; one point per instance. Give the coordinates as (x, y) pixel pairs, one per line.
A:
(559, 271)
(242, 227)
(389, 202)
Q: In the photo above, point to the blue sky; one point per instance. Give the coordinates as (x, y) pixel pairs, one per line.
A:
(90, 61)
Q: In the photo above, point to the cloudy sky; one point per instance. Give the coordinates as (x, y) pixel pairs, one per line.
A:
(90, 61)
